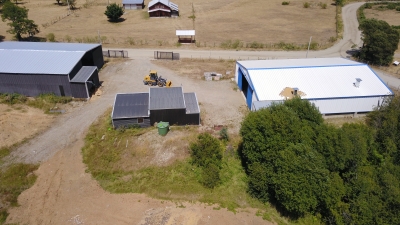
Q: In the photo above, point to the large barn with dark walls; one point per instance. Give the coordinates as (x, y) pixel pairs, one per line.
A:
(64, 69)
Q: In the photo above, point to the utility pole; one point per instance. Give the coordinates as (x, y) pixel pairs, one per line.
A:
(98, 32)
(309, 43)
(69, 8)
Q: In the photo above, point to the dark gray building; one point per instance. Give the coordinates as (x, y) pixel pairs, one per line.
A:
(160, 104)
(64, 69)
(131, 109)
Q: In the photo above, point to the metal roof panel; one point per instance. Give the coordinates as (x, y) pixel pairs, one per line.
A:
(83, 74)
(47, 46)
(192, 106)
(131, 105)
(172, 5)
(317, 82)
(38, 62)
(295, 63)
(137, 2)
(185, 32)
(166, 98)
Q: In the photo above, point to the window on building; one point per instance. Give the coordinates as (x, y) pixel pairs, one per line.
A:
(140, 120)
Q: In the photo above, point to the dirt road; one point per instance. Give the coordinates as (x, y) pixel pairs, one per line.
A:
(65, 194)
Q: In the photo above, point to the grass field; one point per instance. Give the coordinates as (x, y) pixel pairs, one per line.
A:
(217, 22)
(14, 179)
(177, 181)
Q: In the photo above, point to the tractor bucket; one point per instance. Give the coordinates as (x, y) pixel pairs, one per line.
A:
(168, 84)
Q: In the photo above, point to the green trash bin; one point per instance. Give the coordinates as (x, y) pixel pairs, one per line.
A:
(163, 128)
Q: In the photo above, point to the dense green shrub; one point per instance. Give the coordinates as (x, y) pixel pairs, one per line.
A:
(231, 44)
(368, 5)
(13, 98)
(256, 44)
(398, 8)
(51, 37)
(207, 154)
(285, 3)
(391, 6)
(306, 5)
(380, 41)
(348, 175)
(223, 134)
(207, 150)
(114, 12)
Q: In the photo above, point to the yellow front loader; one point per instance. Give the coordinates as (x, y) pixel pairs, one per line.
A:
(152, 79)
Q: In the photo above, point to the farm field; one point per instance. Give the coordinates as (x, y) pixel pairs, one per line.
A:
(217, 22)
(392, 17)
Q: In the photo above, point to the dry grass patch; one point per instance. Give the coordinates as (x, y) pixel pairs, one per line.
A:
(338, 121)
(216, 22)
(391, 69)
(195, 68)
(392, 17)
(19, 122)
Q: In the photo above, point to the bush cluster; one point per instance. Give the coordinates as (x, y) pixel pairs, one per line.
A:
(348, 175)
(207, 154)
(285, 3)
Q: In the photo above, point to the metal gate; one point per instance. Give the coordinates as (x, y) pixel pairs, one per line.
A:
(115, 54)
(166, 55)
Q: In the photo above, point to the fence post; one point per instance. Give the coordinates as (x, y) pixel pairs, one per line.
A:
(108, 53)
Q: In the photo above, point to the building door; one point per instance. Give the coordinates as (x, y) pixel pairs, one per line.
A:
(62, 93)
(249, 97)
(240, 78)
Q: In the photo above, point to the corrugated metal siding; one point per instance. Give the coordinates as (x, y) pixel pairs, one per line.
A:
(349, 105)
(118, 123)
(33, 85)
(75, 70)
(78, 90)
(192, 119)
(95, 78)
(173, 116)
(97, 55)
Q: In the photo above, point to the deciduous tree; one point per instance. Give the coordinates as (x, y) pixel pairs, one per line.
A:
(18, 20)
(380, 42)
(114, 12)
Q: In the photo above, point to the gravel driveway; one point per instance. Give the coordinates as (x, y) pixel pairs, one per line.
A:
(127, 77)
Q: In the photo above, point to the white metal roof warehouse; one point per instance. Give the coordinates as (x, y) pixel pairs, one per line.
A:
(334, 85)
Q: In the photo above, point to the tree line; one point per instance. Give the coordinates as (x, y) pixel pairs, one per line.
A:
(346, 175)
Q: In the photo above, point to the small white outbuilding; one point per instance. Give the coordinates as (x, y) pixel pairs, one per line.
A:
(334, 85)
